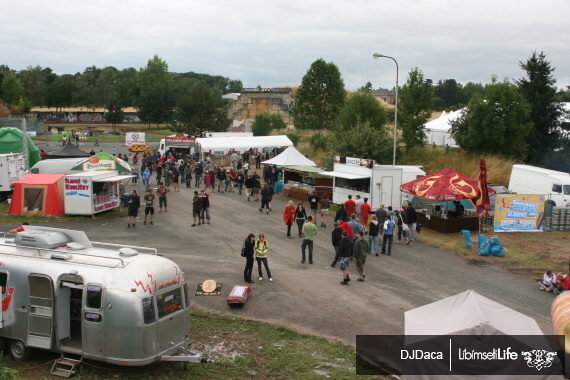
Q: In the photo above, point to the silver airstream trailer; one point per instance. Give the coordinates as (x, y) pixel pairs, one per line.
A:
(112, 303)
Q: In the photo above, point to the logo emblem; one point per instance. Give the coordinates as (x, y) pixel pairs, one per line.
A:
(539, 359)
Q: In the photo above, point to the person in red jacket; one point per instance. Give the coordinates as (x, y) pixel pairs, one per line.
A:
(348, 229)
(289, 217)
(563, 283)
(350, 206)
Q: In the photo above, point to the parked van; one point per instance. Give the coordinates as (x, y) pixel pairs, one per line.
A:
(526, 179)
(56, 166)
(112, 303)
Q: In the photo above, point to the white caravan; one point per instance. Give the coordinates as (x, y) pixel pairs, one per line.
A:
(526, 179)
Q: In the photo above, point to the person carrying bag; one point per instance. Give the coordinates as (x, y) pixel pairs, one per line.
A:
(247, 251)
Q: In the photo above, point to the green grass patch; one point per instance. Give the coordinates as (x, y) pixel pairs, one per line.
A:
(258, 350)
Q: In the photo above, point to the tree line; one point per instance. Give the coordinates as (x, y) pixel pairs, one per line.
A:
(181, 100)
(521, 119)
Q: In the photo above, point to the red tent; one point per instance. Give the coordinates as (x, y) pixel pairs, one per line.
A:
(38, 195)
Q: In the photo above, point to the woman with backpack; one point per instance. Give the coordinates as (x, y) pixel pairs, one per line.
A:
(261, 249)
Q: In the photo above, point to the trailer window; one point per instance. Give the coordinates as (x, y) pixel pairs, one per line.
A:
(169, 302)
(556, 188)
(94, 296)
(3, 281)
(566, 189)
(148, 310)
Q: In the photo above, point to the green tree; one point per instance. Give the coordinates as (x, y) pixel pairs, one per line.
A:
(199, 109)
(265, 122)
(24, 105)
(469, 90)
(448, 90)
(498, 123)
(12, 89)
(34, 82)
(156, 99)
(60, 92)
(539, 90)
(320, 97)
(362, 140)
(363, 106)
(415, 108)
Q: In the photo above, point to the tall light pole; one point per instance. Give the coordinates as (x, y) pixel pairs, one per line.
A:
(376, 56)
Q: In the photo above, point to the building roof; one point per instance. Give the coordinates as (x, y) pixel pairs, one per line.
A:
(383, 91)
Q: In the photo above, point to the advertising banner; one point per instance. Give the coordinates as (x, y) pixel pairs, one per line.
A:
(135, 137)
(518, 212)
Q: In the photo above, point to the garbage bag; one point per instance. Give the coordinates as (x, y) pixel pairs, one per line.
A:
(494, 241)
(467, 238)
(484, 247)
(497, 250)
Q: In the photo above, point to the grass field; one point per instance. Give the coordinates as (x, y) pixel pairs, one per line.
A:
(240, 349)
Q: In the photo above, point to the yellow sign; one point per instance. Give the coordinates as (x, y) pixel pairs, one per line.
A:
(518, 212)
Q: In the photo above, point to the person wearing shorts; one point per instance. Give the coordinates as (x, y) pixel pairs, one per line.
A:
(325, 204)
(345, 249)
(162, 201)
(149, 205)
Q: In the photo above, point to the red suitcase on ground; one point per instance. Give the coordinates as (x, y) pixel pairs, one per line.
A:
(239, 295)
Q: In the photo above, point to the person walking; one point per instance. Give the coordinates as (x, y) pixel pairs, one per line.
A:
(350, 205)
(381, 215)
(309, 230)
(360, 253)
(249, 251)
(161, 192)
(336, 236)
(411, 220)
(240, 179)
(389, 226)
(345, 250)
(249, 183)
(314, 202)
(364, 213)
(188, 175)
(135, 172)
(146, 178)
(196, 208)
(261, 249)
(265, 198)
(341, 214)
(404, 225)
(373, 231)
(289, 217)
(325, 204)
(167, 173)
(300, 217)
(175, 177)
(133, 209)
(204, 207)
(149, 201)
(198, 170)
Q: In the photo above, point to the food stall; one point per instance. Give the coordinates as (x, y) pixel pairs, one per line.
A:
(306, 179)
(378, 183)
(92, 192)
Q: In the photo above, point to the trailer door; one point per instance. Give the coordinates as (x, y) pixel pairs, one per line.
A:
(40, 315)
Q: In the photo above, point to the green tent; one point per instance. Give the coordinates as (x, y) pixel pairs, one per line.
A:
(11, 142)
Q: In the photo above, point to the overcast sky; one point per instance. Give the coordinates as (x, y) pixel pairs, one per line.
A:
(273, 42)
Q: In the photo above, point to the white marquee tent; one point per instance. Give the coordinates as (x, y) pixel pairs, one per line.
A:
(438, 131)
(242, 143)
(290, 157)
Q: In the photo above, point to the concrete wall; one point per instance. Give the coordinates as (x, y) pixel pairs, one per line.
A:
(253, 101)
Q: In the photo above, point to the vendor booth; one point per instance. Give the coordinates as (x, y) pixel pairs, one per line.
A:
(91, 192)
(378, 183)
(38, 195)
(300, 181)
(439, 189)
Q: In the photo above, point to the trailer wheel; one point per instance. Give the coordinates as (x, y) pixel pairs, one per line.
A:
(19, 351)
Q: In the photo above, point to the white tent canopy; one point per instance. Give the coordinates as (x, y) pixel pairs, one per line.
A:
(221, 143)
(466, 314)
(438, 131)
(290, 157)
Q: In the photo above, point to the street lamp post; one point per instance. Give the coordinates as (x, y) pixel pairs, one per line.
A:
(376, 56)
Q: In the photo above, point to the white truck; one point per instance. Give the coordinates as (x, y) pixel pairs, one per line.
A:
(526, 179)
(179, 143)
(12, 168)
